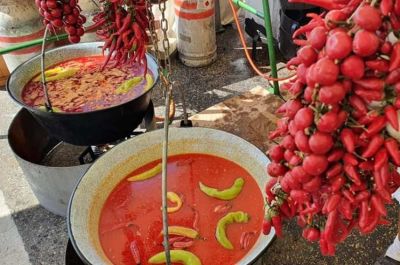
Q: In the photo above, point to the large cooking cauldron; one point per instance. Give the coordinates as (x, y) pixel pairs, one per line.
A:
(86, 128)
(110, 169)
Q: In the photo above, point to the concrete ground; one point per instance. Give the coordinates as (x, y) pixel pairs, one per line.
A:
(29, 234)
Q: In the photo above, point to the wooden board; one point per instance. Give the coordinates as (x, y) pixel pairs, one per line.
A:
(250, 116)
(3, 72)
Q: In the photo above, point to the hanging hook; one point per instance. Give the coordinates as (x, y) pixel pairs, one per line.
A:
(43, 69)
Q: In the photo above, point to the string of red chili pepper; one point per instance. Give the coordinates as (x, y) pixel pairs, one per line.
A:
(335, 166)
(123, 29)
(63, 14)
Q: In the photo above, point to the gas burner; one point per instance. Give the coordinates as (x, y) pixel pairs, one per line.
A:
(91, 153)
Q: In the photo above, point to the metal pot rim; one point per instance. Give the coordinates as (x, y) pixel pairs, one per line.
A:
(24, 105)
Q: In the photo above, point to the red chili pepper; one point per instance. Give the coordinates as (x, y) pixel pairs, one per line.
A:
(135, 252)
(377, 202)
(345, 209)
(392, 117)
(266, 227)
(358, 104)
(311, 234)
(386, 7)
(349, 196)
(395, 23)
(369, 95)
(277, 223)
(337, 183)
(351, 6)
(393, 77)
(377, 126)
(353, 174)
(373, 219)
(330, 225)
(335, 155)
(395, 57)
(378, 65)
(363, 220)
(374, 84)
(325, 4)
(396, 8)
(366, 165)
(300, 196)
(380, 159)
(350, 159)
(333, 202)
(378, 180)
(362, 196)
(385, 195)
(268, 188)
(348, 139)
(374, 145)
(369, 118)
(393, 149)
(334, 171)
(385, 174)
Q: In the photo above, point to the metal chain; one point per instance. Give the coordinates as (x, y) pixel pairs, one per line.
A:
(164, 73)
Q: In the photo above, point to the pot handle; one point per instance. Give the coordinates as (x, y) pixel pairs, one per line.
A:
(43, 69)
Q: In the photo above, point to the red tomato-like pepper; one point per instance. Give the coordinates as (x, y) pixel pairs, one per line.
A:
(328, 122)
(315, 164)
(338, 45)
(276, 169)
(313, 185)
(300, 196)
(332, 94)
(320, 143)
(288, 143)
(365, 43)
(353, 67)
(276, 153)
(301, 141)
(307, 55)
(368, 18)
(300, 175)
(317, 37)
(325, 72)
(304, 118)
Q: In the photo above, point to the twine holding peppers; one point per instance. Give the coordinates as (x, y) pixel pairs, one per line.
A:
(335, 166)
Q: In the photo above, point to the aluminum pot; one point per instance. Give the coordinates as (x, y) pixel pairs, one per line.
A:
(84, 128)
(93, 189)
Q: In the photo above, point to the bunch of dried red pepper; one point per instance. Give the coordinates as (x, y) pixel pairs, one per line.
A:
(123, 29)
(63, 14)
(335, 167)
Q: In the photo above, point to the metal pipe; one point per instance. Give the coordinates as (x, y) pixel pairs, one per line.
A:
(248, 8)
(270, 42)
(28, 44)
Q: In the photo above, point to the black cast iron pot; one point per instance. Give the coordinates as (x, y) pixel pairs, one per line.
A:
(85, 128)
